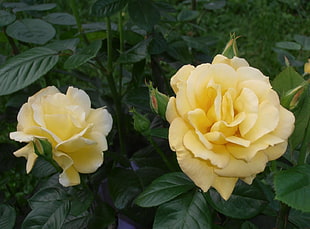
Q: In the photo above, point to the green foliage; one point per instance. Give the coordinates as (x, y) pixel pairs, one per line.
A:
(292, 187)
(111, 49)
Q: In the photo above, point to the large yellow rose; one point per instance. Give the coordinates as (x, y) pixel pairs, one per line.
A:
(226, 123)
(76, 132)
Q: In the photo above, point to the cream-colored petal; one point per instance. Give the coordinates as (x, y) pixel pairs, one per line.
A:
(260, 88)
(224, 186)
(267, 121)
(238, 141)
(250, 73)
(50, 90)
(171, 111)
(196, 169)
(69, 177)
(101, 119)
(28, 152)
(80, 98)
(25, 117)
(199, 120)
(215, 137)
(182, 104)
(245, 153)
(286, 124)
(21, 136)
(237, 62)
(224, 75)
(227, 107)
(240, 168)
(193, 143)
(274, 152)
(181, 76)
(87, 159)
(38, 114)
(99, 138)
(247, 101)
(248, 179)
(220, 59)
(178, 128)
(40, 132)
(214, 113)
(247, 124)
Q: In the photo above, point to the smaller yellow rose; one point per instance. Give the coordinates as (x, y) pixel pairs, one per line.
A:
(76, 132)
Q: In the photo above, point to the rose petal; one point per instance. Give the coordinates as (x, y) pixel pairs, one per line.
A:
(224, 75)
(286, 124)
(69, 175)
(171, 111)
(87, 159)
(199, 120)
(227, 107)
(101, 119)
(177, 130)
(250, 73)
(50, 90)
(249, 179)
(240, 168)
(198, 170)
(274, 152)
(238, 141)
(180, 77)
(28, 152)
(25, 117)
(193, 143)
(182, 104)
(21, 136)
(247, 101)
(224, 185)
(80, 98)
(267, 121)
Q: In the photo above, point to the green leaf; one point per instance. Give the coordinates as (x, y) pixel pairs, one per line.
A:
(25, 68)
(245, 202)
(304, 41)
(7, 216)
(292, 187)
(83, 56)
(187, 15)
(124, 186)
(288, 45)
(300, 219)
(187, 211)
(6, 18)
(33, 31)
(248, 225)
(164, 188)
(215, 5)
(287, 80)
(43, 168)
(79, 221)
(60, 19)
(143, 13)
(136, 53)
(38, 7)
(61, 45)
(45, 196)
(51, 215)
(159, 133)
(82, 198)
(106, 8)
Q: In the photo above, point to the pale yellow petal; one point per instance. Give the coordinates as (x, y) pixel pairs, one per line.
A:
(199, 120)
(237, 62)
(250, 73)
(224, 75)
(227, 108)
(80, 98)
(247, 124)
(260, 88)
(178, 128)
(224, 185)
(245, 153)
(274, 152)
(28, 152)
(238, 141)
(25, 117)
(248, 179)
(181, 76)
(220, 59)
(193, 143)
(101, 119)
(182, 103)
(267, 121)
(199, 171)
(21, 136)
(216, 137)
(50, 90)
(247, 101)
(286, 124)
(240, 168)
(171, 111)
(69, 177)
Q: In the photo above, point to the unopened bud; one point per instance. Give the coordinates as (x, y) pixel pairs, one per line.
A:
(231, 48)
(158, 101)
(43, 148)
(293, 97)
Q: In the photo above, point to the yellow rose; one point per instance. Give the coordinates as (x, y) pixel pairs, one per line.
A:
(76, 132)
(226, 123)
